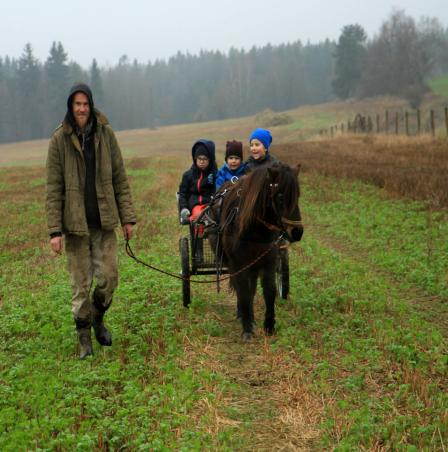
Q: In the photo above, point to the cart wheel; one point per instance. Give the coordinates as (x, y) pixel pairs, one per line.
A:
(282, 273)
(185, 261)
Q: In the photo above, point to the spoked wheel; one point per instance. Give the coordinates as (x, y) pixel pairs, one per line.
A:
(185, 262)
(282, 273)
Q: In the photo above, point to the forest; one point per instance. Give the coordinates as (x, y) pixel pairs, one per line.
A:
(214, 85)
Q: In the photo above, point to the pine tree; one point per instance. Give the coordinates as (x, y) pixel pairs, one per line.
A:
(29, 99)
(57, 85)
(349, 58)
(96, 83)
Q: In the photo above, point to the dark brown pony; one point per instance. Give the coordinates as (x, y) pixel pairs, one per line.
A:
(257, 212)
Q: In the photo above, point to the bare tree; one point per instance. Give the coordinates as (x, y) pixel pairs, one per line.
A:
(398, 60)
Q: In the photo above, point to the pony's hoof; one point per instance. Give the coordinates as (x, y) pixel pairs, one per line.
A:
(269, 331)
(247, 337)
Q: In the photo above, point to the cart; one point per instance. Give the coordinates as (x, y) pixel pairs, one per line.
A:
(198, 258)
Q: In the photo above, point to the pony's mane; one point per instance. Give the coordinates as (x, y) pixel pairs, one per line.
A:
(251, 194)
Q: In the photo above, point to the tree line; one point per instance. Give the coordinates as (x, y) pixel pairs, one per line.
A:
(185, 88)
(397, 61)
(214, 85)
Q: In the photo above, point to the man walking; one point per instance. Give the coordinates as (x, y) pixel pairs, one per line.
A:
(88, 196)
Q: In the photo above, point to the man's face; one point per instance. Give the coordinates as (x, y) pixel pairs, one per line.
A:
(234, 162)
(257, 149)
(81, 109)
(202, 162)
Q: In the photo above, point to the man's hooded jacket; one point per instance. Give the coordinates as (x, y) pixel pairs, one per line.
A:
(198, 186)
(87, 184)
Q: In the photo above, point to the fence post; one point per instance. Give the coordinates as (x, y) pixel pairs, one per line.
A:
(331, 131)
(433, 128)
(377, 123)
(387, 121)
(396, 123)
(407, 123)
(342, 128)
(446, 120)
(419, 123)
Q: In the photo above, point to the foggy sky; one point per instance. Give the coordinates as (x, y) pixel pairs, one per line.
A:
(147, 30)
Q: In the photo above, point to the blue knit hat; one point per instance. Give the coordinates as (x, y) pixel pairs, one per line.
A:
(262, 135)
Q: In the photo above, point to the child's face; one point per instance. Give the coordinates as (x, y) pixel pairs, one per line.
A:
(257, 149)
(234, 162)
(202, 162)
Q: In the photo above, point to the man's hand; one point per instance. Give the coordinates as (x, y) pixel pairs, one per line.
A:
(184, 215)
(56, 244)
(127, 231)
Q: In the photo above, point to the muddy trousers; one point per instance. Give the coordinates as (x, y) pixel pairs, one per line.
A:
(91, 257)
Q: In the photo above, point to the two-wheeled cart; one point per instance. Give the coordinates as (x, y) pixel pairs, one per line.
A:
(198, 258)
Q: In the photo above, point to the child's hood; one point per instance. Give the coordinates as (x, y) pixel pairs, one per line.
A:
(210, 149)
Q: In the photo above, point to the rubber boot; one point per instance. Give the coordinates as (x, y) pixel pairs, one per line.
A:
(102, 334)
(84, 338)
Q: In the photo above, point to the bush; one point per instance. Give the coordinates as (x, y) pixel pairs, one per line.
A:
(269, 118)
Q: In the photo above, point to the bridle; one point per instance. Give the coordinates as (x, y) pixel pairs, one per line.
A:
(284, 222)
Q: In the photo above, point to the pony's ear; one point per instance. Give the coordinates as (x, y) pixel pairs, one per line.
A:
(296, 169)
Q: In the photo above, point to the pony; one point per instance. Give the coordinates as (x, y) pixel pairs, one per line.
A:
(257, 213)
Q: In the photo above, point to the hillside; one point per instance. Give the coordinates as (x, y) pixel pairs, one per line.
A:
(302, 123)
(439, 85)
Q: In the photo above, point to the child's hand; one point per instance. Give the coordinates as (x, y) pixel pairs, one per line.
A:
(184, 214)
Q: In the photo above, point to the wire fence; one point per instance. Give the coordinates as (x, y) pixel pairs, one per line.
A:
(409, 123)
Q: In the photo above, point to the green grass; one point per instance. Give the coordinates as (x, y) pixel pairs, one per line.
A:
(361, 333)
(440, 85)
(380, 366)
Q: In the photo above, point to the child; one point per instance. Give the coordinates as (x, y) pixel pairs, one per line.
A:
(198, 183)
(232, 169)
(259, 141)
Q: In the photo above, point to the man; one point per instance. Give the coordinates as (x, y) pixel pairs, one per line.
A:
(88, 195)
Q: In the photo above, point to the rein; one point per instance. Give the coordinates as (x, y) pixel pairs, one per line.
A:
(131, 254)
(273, 227)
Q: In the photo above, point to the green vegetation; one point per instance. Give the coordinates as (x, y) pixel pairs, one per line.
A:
(359, 361)
(371, 268)
(440, 85)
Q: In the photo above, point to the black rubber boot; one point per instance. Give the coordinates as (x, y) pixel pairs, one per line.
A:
(102, 334)
(85, 338)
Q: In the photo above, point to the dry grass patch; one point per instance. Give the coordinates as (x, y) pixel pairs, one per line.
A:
(411, 167)
(272, 388)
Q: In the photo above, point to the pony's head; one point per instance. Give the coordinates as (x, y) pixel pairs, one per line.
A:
(270, 195)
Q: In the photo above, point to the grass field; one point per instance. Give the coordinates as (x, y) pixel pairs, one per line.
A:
(359, 361)
(440, 85)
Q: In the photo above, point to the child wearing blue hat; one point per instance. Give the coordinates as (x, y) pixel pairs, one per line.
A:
(260, 140)
(233, 167)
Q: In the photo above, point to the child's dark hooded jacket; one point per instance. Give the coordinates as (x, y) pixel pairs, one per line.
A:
(198, 186)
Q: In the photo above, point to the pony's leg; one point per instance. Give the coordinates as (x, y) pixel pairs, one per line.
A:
(234, 286)
(269, 293)
(245, 289)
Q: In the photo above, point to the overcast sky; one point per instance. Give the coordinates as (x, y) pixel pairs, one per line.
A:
(147, 30)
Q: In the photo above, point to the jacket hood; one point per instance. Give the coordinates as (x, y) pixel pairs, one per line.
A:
(85, 89)
(210, 151)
